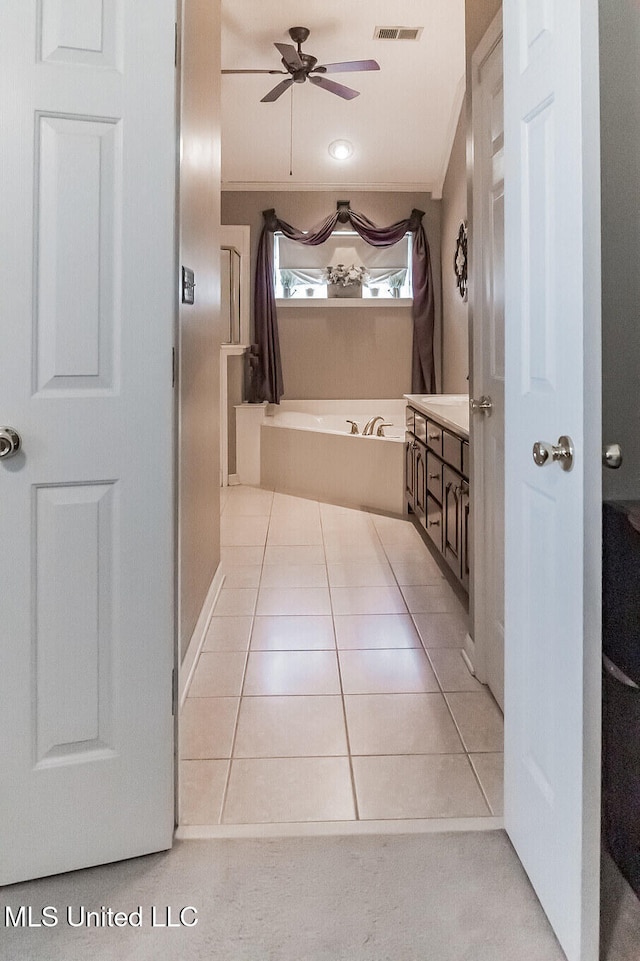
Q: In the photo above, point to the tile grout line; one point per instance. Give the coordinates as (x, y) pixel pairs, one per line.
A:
(466, 752)
(244, 675)
(440, 687)
(344, 707)
(480, 785)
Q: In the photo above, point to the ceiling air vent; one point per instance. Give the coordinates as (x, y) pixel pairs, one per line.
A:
(397, 33)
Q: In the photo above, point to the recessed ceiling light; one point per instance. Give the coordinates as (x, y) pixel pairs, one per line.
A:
(340, 149)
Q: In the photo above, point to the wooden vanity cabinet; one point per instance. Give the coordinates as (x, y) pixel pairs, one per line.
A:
(437, 488)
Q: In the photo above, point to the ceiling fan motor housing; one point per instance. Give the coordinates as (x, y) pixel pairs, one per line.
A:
(298, 34)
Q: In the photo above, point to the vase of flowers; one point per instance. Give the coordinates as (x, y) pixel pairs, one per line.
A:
(288, 281)
(345, 281)
(396, 282)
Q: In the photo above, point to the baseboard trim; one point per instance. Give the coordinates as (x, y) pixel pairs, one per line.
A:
(192, 832)
(188, 666)
(233, 480)
(469, 653)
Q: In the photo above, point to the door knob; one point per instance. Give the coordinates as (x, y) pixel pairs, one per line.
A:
(612, 456)
(9, 442)
(562, 453)
(482, 406)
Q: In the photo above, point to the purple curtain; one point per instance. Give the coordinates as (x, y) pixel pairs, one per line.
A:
(270, 385)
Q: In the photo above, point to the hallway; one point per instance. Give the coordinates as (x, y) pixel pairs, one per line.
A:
(331, 686)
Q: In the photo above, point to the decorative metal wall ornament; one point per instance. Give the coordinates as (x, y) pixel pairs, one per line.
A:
(460, 260)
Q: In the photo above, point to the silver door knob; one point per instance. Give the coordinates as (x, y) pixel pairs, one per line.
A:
(561, 453)
(9, 442)
(482, 406)
(612, 456)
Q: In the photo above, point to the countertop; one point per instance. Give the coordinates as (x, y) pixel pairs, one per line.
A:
(450, 410)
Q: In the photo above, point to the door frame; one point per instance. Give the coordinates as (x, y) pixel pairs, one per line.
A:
(477, 588)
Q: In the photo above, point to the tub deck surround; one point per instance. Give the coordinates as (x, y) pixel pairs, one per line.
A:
(450, 410)
(306, 448)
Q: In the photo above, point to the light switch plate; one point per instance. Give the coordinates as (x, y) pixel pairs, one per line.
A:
(188, 286)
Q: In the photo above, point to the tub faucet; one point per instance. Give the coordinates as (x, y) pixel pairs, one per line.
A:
(367, 430)
(354, 426)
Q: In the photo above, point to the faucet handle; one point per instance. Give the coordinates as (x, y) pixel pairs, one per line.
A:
(380, 430)
(354, 427)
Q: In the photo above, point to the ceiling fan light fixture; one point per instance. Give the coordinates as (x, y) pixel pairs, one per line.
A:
(340, 149)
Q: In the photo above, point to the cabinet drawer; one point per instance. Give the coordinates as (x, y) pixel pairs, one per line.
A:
(434, 476)
(420, 426)
(434, 437)
(433, 521)
(409, 419)
(466, 467)
(452, 450)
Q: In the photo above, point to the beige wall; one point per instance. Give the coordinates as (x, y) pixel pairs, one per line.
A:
(199, 325)
(349, 352)
(455, 313)
(620, 149)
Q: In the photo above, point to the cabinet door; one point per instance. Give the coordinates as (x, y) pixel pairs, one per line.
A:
(409, 471)
(451, 518)
(434, 521)
(465, 527)
(434, 476)
(420, 475)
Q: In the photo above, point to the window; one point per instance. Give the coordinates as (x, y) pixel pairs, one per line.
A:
(300, 271)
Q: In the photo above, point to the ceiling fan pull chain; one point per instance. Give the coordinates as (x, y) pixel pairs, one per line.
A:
(291, 135)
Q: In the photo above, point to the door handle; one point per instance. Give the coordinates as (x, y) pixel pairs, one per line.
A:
(612, 456)
(482, 406)
(10, 442)
(562, 453)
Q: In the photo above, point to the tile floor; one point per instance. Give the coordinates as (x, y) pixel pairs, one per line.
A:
(331, 686)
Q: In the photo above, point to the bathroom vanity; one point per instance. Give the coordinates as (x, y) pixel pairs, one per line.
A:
(437, 474)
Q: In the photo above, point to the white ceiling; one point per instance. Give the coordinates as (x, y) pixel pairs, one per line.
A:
(401, 126)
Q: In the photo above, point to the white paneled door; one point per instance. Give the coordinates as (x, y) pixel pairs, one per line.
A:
(553, 388)
(86, 506)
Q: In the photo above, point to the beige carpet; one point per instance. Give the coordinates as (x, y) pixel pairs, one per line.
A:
(438, 897)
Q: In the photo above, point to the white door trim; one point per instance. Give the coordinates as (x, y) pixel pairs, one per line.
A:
(487, 431)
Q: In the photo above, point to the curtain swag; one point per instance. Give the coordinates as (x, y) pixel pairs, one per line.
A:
(269, 385)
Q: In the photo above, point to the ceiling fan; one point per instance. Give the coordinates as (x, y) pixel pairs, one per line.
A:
(301, 67)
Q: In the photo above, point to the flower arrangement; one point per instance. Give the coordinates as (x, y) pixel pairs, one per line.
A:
(346, 276)
(288, 280)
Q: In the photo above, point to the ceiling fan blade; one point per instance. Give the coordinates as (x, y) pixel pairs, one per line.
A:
(290, 56)
(348, 65)
(347, 93)
(253, 71)
(277, 91)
